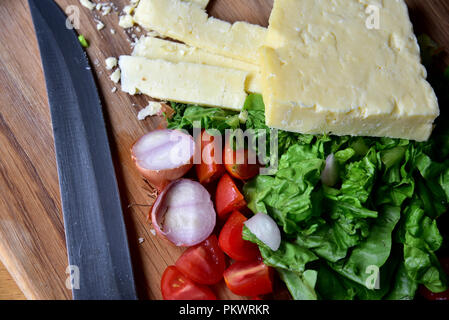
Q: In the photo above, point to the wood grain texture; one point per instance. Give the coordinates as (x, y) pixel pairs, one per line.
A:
(8, 287)
(32, 244)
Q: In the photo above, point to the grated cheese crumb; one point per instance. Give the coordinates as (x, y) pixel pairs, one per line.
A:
(100, 25)
(112, 31)
(115, 76)
(106, 10)
(128, 9)
(87, 4)
(114, 90)
(153, 232)
(141, 240)
(111, 63)
(126, 21)
(152, 109)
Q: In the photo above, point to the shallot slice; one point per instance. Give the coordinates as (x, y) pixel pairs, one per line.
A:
(162, 156)
(184, 213)
(329, 176)
(265, 229)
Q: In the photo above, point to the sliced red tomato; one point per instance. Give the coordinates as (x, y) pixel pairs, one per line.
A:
(209, 169)
(175, 286)
(203, 263)
(237, 162)
(232, 243)
(429, 295)
(249, 278)
(228, 197)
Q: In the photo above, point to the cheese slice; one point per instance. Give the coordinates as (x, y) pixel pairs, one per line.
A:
(184, 82)
(202, 3)
(327, 69)
(155, 48)
(187, 22)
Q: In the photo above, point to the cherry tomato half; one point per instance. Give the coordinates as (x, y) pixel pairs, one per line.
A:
(209, 169)
(175, 286)
(232, 243)
(237, 162)
(429, 295)
(203, 263)
(249, 278)
(228, 197)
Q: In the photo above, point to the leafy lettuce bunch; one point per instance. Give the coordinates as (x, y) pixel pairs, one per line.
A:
(380, 217)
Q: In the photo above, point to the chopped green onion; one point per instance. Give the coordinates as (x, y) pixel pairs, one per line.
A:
(83, 41)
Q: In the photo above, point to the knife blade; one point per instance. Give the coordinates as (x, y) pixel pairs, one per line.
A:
(96, 239)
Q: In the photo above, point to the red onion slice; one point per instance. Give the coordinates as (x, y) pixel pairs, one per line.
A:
(162, 156)
(184, 213)
(265, 229)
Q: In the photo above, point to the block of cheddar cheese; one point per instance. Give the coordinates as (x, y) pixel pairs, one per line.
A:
(155, 48)
(189, 23)
(202, 3)
(328, 68)
(184, 82)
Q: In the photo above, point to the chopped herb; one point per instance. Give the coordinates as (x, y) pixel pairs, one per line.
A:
(83, 41)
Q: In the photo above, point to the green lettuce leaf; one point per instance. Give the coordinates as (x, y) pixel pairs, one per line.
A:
(389, 189)
(334, 286)
(422, 238)
(300, 285)
(373, 252)
(255, 107)
(403, 288)
(290, 261)
(289, 256)
(186, 116)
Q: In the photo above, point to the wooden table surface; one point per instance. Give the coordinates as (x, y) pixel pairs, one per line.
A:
(32, 244)
(8, 287)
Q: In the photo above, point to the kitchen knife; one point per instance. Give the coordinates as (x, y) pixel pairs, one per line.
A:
(95, 230)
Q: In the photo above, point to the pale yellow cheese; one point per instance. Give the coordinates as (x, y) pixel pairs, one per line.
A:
(184, 82)
(88, 4)
(152, 109)
(187, 22)
(115, 76)
(126, 21)
(325, 71)
(154, 48)
(202, 3)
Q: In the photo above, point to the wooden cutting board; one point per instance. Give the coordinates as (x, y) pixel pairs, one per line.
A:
(32, 245)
